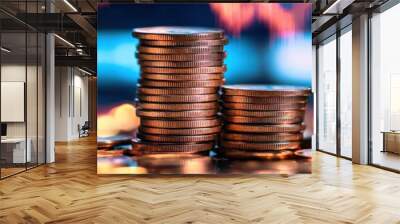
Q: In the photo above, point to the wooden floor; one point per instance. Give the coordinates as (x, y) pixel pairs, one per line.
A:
(69, 191)
(386, 159)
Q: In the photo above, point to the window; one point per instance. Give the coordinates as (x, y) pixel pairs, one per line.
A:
(327, 97)
(385, 89)
(346, 93)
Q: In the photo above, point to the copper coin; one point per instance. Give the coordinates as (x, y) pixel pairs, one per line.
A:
(265, 100)
(181, 64)
(180, 98)
(248, 113)
(181, 50)
(178, 114)
(188, 131)
(172, 43)
(277, 137)
(177, 91)
(179, 138)
(264, 107)
(182, 77)
(183, 84)
(268, 155)
(182, 57)
(260, 146)
(200, 70)
(178, 33)
(265, 90)
(151, 147)
(181, 118)
(179, 106)
(247, 128)
(180, 124)
(262, 120)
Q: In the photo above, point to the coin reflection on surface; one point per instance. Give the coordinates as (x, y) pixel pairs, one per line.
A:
(287, 166)
(118, 165)
(177, 163)
(116, 162)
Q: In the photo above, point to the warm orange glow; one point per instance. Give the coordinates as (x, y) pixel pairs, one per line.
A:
(195, 166)
(106, 126)
(125, 117)
(120, 119)
(108, 168)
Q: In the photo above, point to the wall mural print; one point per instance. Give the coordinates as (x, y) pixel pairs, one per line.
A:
(217, 88)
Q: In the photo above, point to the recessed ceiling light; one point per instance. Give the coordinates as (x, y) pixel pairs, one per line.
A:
(5, 50)
(70, 5)
(64, 40)
(84, 71)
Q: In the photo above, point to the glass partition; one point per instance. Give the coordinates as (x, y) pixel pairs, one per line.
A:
(32, 97)
(14, 151)
(41, 97)
(22, 94)
(327, 96)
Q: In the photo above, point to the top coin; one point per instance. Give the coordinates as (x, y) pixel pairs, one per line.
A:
(180, 43)
(265, 90)
(178, 33)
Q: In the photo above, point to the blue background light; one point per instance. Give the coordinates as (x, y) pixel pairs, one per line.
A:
(257, 55)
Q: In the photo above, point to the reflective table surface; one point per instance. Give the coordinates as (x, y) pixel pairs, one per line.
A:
(120, 161)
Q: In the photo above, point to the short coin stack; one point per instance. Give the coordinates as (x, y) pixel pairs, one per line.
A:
(262, 121)
(182, 69)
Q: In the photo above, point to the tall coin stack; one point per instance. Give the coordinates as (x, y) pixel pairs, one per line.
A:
(262, 121)
(182, 69)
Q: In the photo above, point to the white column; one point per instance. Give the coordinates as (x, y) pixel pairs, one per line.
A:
(50, 92)
(360, 90)
(50, 99)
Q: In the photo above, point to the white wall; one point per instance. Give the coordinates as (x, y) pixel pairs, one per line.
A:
(80, 110)
(62, 81)
(71, 102)
(16, 73)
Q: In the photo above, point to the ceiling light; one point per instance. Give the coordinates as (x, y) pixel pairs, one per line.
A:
(65, 41)
(84, 71)
(5, 50)
(337, 7)
(70, 5)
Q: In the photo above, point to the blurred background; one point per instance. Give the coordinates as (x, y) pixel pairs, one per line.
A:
(269, 43)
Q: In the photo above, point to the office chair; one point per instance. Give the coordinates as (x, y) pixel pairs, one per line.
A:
(84, 130)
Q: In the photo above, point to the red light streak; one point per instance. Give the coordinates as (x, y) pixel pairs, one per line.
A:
(283, 22)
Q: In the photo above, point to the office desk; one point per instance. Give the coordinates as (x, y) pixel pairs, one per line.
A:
(16, 146)
(391, 141)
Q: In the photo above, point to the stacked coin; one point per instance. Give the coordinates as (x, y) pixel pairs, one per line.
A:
(182, 69)
(262, 121)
